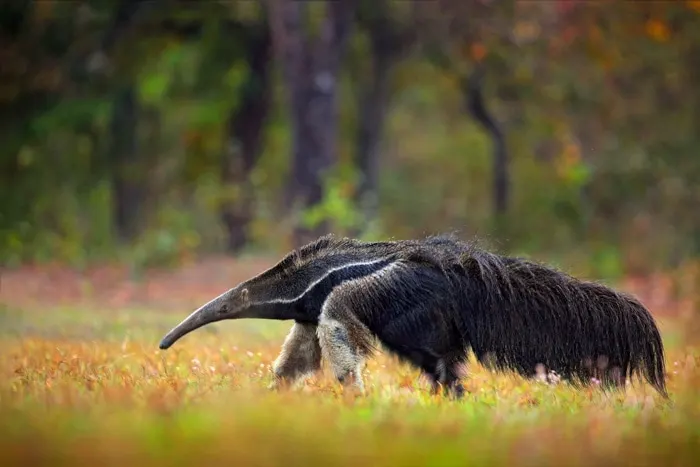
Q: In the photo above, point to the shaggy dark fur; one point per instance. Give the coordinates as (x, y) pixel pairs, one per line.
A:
(431, 301)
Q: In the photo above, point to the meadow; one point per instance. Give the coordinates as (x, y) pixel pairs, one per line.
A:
(82, 380)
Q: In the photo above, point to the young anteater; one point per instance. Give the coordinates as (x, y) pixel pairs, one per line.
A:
(429, 302)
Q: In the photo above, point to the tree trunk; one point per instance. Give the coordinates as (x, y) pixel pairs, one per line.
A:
(477, 108)
(244, 140)
(372, 113)
(127, 182)
(310, 71)
(388, 41)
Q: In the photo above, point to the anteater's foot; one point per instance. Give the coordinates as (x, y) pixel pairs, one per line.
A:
(276, 385)
(454, 391)
(457, 391)
(452, 388)
(352, 381)
(281, 383)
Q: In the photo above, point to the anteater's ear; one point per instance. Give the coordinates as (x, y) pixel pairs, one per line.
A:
(244, 295)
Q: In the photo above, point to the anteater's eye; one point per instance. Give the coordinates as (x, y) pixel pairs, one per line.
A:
(224, 308)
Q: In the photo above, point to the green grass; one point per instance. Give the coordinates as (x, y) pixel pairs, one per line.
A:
(88, 385)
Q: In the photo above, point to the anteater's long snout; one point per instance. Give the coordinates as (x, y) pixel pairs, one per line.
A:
(194, 321)
(202, 316)
(176, 333)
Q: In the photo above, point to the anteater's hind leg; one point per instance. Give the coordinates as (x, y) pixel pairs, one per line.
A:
(345, 341)
(611, 374)
(300, 356)
(448, 376)
(442, 373)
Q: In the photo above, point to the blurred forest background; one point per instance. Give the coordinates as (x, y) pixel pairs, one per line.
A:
(155, 131)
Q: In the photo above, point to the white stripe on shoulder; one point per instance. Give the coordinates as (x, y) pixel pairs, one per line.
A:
(361, 281)
(328, 273)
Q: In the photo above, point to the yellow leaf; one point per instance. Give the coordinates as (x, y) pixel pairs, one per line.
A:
(595, 35)
(693, 5)
(478, 51)
(657, 30)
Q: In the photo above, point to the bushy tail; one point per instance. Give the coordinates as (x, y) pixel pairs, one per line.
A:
(649, 352)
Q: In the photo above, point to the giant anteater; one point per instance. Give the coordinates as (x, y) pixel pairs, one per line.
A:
(432, 300)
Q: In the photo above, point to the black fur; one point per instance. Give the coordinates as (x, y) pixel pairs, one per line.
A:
(432, 301)
(514, 314)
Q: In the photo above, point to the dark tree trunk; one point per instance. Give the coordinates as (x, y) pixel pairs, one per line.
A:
(123, 159)
(127, 178)
(372, 113)
(477, 108)
(388, 41)
(244, 138)
(310, 70)
(123, 18)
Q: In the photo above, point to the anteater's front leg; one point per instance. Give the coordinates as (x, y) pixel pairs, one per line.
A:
(300, 356)
(345, 341)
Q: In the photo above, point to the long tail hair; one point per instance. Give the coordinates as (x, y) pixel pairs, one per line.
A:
(517, 314)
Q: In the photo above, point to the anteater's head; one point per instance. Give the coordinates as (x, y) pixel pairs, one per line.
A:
(273, 293)
(229, 305)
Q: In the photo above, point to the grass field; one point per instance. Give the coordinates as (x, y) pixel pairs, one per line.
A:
(87, 383)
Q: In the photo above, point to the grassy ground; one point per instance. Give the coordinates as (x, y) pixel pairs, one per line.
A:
(82, 383)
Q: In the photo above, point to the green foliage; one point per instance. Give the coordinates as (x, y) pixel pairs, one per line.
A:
(601, 127)
(607, 263)
(154, 88)
(169, 240)
(338, 206)
(72, 114)
(81, 230)
(173, 70)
